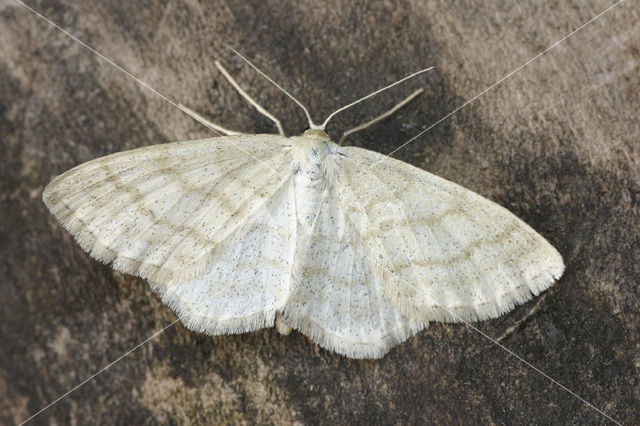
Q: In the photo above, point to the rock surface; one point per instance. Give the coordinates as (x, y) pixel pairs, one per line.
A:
(557, 143)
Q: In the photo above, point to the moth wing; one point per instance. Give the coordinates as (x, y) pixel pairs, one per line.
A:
(248, 275)
(450, 254)
(338, 296)
(159, 212)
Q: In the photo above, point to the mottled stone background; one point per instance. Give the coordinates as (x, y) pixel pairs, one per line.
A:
(557, 143)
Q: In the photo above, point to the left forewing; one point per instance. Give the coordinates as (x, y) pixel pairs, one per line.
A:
(159, 211)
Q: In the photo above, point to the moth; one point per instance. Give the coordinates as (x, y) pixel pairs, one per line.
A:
(355, 249)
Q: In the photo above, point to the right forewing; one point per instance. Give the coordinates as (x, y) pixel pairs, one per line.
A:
(450, 254)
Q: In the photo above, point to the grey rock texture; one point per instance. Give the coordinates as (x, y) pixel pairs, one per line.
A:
(557, 143)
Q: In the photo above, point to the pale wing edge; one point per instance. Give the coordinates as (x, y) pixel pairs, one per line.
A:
(350, 349)
(204, 324)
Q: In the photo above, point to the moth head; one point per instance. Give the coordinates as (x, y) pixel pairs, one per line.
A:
(316, 134)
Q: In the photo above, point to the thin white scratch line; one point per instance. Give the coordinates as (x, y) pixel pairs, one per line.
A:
(98, 372)
(590, 21)
(486, 336)
(128, 74)
(533, 367)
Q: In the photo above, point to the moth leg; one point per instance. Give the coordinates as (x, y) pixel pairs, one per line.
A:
(381, 116)
(249, 99)
(206, 122)
(281, 325)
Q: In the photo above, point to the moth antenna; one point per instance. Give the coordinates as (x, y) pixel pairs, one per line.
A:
(312, 125)
(372, 94)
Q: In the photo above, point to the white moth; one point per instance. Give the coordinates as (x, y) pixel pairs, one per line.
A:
(355, 249)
